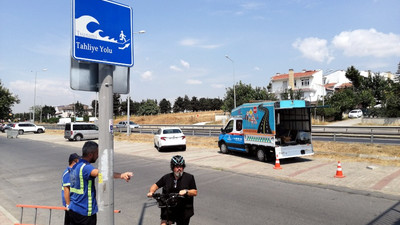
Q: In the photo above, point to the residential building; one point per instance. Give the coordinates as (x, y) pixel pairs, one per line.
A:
(309, 82)
(337, 80)
(65, 111)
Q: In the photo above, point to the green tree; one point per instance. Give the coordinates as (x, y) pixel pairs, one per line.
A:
(194, 104)
(187, 104)
(165, 106)
(293, 95)
(117, 105)
(7, 101)
(366, 98)
(149, 107)
(392, 101)
(340, 102)
(178, 105)
(79, 109)
(244, 93)
(216, 104)
(134, 108)
(95, 108)
(48, 111)
(22, 116)
(354, 76)
(203, 104)
(379, 86)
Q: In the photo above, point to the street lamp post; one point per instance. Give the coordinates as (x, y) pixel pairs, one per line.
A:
(234, 82)
(34, 95)
(128, 99)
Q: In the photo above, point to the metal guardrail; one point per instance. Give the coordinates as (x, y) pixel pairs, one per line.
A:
(369, 132)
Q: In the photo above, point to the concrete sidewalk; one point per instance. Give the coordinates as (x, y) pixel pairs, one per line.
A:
(309, 170)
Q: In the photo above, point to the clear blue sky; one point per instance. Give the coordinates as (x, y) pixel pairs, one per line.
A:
(184, 47)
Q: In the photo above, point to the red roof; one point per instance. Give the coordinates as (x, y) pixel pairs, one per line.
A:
(296, 75)
(330, 85)
(345, 85)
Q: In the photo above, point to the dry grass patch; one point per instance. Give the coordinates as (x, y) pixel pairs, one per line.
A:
(388, 155)
(173, 118)
(48, 131)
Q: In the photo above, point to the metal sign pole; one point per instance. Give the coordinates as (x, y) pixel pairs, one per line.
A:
(128, 128)
(106, 147)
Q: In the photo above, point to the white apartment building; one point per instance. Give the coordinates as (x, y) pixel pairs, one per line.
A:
(338, 80)
(310, 82)
(66, 111)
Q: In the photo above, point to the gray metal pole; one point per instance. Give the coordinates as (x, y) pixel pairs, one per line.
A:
(128, 114)
(234, 82)
(106, 147)
(34, 99)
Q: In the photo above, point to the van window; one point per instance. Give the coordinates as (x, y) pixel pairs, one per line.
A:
(78, 127)
(229, 127)
(68, 126)
(239, 125)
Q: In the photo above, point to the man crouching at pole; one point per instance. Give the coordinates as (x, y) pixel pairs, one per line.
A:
(83, 207)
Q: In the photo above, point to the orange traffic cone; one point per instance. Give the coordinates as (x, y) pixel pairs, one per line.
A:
(277, 165)
(339, 172)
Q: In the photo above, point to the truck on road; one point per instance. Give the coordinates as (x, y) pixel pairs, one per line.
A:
(270, 130)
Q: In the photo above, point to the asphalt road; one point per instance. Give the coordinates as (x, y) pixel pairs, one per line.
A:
(31, 172)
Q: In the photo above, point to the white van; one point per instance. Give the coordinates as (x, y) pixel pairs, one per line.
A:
(81, 131)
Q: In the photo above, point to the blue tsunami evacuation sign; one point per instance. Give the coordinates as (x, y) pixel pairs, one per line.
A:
(102, 32)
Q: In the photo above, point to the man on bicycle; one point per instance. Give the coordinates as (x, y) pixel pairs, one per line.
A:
(177, 182)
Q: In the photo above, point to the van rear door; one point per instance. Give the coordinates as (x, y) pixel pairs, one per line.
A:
(67, 131)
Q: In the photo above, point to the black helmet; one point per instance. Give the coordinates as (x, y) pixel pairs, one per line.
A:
(177, 161)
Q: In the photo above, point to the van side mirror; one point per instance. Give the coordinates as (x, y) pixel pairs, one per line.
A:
(223, 130)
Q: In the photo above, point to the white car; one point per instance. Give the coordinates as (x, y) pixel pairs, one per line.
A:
(27, 127)
(169, 137)
(123, 124)
(356, 113)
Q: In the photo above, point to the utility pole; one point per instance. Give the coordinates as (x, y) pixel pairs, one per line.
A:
(234, 82)
(106, 146)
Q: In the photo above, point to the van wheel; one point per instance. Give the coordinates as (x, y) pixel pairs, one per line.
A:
(223, 148)
(261, 155)
(78, 138)
(20, 132)
(40, 131)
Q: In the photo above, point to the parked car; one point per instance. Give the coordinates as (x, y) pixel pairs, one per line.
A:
(355, 113)
(169, 137)
(81, 131)
(123, 124)
(27, 127)
(6, 127)
(2, 125)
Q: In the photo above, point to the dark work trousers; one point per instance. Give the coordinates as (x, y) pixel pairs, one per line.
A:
(78, 219)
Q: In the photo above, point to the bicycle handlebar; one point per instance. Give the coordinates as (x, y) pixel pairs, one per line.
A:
(166, 200)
